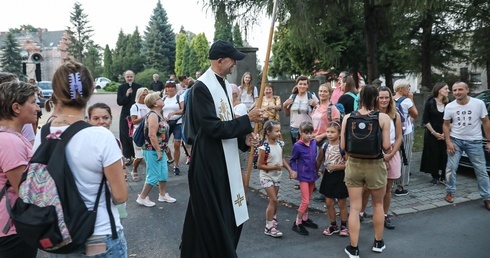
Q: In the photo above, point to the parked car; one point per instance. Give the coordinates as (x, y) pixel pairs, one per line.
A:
(465, 161)
(101, 82)
(47, 90)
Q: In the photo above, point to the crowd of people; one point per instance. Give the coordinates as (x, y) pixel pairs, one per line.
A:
(222, 116)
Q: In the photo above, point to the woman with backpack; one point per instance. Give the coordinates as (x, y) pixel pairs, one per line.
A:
(91, 154)
(272, 105)
(19, 107)
(299, 106)
(405, 104)
(172, 112)
(156, 139)
(138, 111)
(365, 165)
(350, 99)
(324, 113)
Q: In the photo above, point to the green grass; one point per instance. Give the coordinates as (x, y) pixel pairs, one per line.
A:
(418, 139)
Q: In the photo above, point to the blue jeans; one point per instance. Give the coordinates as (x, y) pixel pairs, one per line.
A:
(475, 152)
(116, 248)
(294, 135)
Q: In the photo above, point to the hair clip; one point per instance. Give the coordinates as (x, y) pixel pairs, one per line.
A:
(75, 85)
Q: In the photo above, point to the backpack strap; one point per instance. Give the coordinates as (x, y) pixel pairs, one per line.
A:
(329, 112)
(73, 129)
(109, 209)
(3, 193)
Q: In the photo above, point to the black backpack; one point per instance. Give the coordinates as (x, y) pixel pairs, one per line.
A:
(48, 189)
(363, 135)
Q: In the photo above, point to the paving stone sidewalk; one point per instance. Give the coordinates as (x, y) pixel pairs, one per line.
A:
(422, 196)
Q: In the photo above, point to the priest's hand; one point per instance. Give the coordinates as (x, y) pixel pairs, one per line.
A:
(252, 139)
(255, 115)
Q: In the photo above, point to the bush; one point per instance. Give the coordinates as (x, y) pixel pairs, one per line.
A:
(145, 78)
(112, 86)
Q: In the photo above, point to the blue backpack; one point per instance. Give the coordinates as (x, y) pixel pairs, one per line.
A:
(339, 107)
(140, 135)
(403, 117)
(356, 100)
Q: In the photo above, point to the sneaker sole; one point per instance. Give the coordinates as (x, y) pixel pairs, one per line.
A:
(301, 233)
(350, 255)
(146, 205)
(272, 235)
(379, 250)
(166, 201)
(402, 194)
(344, 234)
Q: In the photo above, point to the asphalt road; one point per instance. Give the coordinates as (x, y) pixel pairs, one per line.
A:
(453, 231)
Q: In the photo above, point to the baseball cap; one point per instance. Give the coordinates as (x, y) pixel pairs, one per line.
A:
(223, 49)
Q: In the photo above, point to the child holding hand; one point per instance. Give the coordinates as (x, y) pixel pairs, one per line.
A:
(270, 163)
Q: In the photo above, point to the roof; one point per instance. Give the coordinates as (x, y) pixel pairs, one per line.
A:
(49, 38)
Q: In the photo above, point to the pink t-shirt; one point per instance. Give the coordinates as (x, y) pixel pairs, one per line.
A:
(320, 119)
(336, 94)
(15, 151)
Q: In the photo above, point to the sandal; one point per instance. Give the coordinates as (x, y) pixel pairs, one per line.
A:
(296, 186)
(135, 176)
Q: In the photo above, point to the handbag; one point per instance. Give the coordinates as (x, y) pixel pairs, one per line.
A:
(130, 126)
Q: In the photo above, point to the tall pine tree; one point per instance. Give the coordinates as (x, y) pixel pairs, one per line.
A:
(160, 41)
(80, 33)
(181, 45)
(10, 59)
(222, 26)
(237, 36)
(108, 63)
(200, 47)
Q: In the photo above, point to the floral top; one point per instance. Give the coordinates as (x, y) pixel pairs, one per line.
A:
(162, 134)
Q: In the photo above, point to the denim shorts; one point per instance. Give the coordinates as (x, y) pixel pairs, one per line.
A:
(175, 130)
(116, 248)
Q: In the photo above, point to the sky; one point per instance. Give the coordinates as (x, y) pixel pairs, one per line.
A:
(108, 17)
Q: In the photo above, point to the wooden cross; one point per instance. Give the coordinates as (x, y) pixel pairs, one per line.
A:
(239, 200)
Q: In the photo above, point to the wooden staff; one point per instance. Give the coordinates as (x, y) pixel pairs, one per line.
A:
(262, 86)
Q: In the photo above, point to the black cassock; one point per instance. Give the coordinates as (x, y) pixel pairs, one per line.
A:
(209, 227)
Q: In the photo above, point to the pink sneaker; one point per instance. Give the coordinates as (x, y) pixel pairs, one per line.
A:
(344, 231)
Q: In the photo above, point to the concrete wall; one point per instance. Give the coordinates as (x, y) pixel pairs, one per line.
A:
(248, 64)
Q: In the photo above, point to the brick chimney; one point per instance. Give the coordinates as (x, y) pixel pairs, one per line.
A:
(40, 35)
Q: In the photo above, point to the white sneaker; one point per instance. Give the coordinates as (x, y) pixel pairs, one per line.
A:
(146, 202)
(166, 198)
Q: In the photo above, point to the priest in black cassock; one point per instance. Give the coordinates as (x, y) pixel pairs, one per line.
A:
(126, 94)
(217, 207)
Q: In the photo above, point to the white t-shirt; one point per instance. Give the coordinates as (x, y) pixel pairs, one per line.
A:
(406, 105)
(171, 105)
(240, 109)
(466, 119)
(275, 157)
(138, 110)
(88, 153)
(248, 99)
(300, 110)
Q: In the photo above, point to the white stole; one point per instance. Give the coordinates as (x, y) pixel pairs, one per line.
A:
(224, 112)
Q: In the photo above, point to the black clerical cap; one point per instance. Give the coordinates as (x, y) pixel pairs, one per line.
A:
(223, 49)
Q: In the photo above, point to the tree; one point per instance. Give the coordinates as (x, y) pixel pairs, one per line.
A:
(93, 60)
(159, 32)
(237, 36)
(119, 54)
(135, 60)
(10, 59)
(27, 28)
(108, 63)
(181, 45)
(200, 47)
(80, 34)
(222, 26)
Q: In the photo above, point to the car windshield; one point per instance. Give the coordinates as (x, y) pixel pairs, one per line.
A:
(45, 85)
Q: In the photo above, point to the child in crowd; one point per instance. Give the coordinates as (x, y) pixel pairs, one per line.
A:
(270, 163)
(303, 162)
(333, 186)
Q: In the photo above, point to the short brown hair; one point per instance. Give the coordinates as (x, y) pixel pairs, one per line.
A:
(14, 92)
